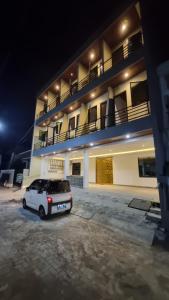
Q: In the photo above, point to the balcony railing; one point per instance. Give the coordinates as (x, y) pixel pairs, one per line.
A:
(120, 54)
(119, 117)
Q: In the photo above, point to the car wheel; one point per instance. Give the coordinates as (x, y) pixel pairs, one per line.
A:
(24, 204)
(42, 214)
(68, 211)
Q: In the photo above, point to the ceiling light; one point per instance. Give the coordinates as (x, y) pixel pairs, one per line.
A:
(92, 95)
(57, 87)
(71, 108)
(92, 55)
(91, 144)
(127, 136)
(126, 75)
(69, 149)
(71, 74)
(56, 117)
(45, 97)
(124, 26)
(44, 124)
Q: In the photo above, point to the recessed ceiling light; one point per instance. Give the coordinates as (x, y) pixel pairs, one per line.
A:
(71, 108)
(92, 95)
(46, 97)
(54, 152)
(91, 144)
(57, 87)
(56, 117)
(126, 74)
(124, 26)
(92, 55)
(71, 74)
(127, 136)
(69, 149)
(44, 124)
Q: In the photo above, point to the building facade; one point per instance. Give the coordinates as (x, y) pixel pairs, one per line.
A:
(93, 121)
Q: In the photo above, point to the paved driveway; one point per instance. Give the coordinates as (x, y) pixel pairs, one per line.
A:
(75, 257)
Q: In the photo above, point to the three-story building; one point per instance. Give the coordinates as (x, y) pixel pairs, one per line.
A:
(93, 121)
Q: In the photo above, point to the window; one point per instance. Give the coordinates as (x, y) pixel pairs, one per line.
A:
(58, 127)
(147, 167)
(76, 168)
(72, 123)
(38, 184)
(92, 114)
(42, 135)
(74, 88)
(58, 186)
(139, 92)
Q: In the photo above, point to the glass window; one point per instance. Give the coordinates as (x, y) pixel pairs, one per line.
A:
(76, 168)
(94, 73)
(92, 114)
(58, 186)
(147, 167)
(77, 121)
(139, 92)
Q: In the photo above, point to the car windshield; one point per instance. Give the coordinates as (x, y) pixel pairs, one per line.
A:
(56, 187)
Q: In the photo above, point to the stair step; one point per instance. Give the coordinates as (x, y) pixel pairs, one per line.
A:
(153, 217)
(155, 210)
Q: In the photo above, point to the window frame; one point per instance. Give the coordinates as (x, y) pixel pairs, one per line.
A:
(140, 166)
(89, 114)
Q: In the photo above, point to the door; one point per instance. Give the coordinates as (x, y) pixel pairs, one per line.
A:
(104, 170)
(121, 108)
(35, 195)
(103, 114)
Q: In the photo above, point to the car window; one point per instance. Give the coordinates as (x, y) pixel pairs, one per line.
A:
(36, 185)
(58, 186)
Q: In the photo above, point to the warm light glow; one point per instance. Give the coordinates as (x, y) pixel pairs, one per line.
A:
(92, 95)
(54, 152)
(44, 124)
(124, 26)
(71, 74)
(57, 87)
(126, 75)
(56, 117)
(92, 55)
(46, 97)
(69, 149)
(91, 144)
(116, 153)
(127, 136)
(71, 108)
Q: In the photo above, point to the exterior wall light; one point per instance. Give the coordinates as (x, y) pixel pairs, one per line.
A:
(92, 95)
(91, 144)
(69, 149)
(44, 124)
(71, 108)
(127, 136)
(56, 117)
(45, 97)
(124, 26)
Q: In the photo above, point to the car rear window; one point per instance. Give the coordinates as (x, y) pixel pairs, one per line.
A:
(56, 187)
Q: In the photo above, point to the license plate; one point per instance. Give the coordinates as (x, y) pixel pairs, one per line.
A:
(61, 206)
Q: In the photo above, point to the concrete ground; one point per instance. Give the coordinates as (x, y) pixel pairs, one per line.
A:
(80, 256)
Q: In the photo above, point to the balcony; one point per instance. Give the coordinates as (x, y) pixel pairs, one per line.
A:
(122, 116)
(121, 54)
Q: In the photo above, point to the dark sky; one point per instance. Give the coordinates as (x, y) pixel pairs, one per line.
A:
(36, 39)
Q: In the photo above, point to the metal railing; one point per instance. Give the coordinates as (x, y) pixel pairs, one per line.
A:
(118, 56)
(119, 117)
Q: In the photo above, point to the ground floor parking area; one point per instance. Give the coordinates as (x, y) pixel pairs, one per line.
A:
(85, 255)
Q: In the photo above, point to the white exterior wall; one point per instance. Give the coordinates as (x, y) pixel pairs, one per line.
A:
(92, 170)
(125, 170)
(46, 174)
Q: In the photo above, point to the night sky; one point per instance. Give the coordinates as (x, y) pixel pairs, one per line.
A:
(36, 39)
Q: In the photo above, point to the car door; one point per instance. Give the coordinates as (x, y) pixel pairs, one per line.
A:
(31, 194)
(38, 195)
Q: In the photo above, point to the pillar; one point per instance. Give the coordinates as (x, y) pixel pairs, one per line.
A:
(85, 169)
(66, 165)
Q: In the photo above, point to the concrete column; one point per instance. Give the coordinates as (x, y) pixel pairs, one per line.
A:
(85, 169)
(66, 165)
(64, 89)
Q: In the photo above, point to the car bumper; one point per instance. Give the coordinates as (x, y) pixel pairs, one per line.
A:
(58, 207)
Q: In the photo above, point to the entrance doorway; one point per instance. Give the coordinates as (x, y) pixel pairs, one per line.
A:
(103, 114)
(104, 170)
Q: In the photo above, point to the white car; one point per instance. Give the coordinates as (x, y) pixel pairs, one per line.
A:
(48, 197)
